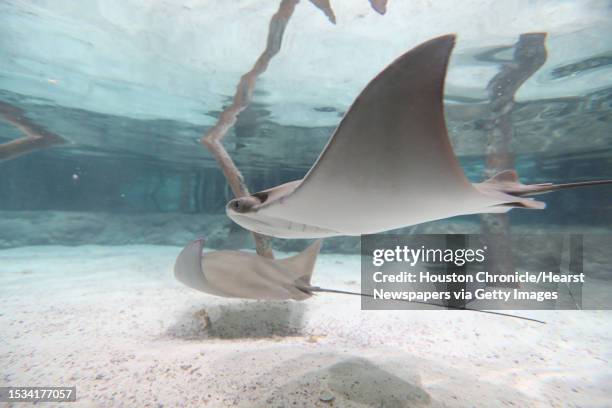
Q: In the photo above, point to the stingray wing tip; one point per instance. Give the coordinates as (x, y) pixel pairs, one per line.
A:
(188, 263)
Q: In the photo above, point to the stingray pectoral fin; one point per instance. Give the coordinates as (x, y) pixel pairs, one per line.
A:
(302, 265)
(520, 203)
(390, 162)
(188, 268)
(505, 202)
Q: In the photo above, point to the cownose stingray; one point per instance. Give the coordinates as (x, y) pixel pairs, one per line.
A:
(246, 275)
(389, 164)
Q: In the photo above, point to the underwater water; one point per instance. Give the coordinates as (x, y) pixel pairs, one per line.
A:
(90, 228)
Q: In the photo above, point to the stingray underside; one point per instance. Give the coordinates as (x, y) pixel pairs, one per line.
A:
(390, 163)
(239, 274)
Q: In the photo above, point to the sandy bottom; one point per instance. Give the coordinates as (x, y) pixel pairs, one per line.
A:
(115, 323)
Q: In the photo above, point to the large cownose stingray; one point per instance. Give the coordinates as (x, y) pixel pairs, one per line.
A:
(388, 165)
(246, 275)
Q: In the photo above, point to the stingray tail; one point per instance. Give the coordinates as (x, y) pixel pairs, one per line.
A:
(345, 292)
(548, 187)
(508, 182)
(506, 185)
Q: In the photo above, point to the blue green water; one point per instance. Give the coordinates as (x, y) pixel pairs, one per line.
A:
(133, 95)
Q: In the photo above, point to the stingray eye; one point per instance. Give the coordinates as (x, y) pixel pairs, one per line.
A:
(236, 205)
(244, 204)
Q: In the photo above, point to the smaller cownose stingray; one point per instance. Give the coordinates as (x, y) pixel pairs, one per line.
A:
(246, 275)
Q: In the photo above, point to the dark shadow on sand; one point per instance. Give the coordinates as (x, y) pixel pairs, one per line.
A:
(351, 381)
(244, 320)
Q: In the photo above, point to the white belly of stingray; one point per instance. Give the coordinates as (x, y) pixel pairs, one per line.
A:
(369, 216)
(279, 227)
(263, 280)
(246, 275)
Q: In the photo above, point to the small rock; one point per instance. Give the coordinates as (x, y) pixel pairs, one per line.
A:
(202, 315)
